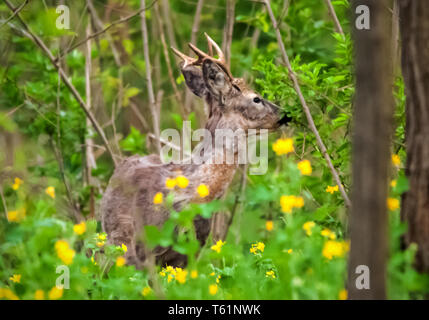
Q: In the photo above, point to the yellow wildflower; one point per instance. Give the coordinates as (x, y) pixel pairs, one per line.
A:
(16, 215)
(305, 167)
(289, 202)
(146, 291)
(182, 182)
(17, 183)
(328, 234)
(203, 190)
(283, 146)
(80, 228)
(101, 236)
(93, 261)
(194, 274)
(64, 252)
(213, 289)
(289, 251)
(392, 204)
(393, 183)
(50, 191)
(333, 248)
(8, 294)
(396, 160)
(39, 295)
(55, 293)
(100, 244)
(157, 199)
(218, 278)
(170, 183)
(342, 295)
(15, 278)
(269, 225)
(124, 247)
(218, 246)
(308, 226)
(120, 261)
(332, 189)
(181, 275)
(259, 246)
(270, 274)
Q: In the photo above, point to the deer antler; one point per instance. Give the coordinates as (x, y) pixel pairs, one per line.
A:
(221, 61)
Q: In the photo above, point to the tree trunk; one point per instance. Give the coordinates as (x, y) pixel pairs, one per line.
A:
(373, 111)
(414, 25)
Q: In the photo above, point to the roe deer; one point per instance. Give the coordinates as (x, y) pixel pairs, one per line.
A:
(127, 204)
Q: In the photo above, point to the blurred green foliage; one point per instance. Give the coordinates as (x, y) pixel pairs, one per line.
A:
(294, 263)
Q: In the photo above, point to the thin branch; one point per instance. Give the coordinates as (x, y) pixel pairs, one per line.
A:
(195, 27)
(27, 32)
(229, 28)
(334, 17)
(15, 13)
(114, 23)
(305, 107)
(152, 103)
(3, 201)
(167, 58)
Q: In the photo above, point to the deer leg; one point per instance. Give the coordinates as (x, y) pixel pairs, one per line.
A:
(125, 234)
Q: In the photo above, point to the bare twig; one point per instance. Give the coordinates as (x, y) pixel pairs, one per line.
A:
(195, 27)
(151, 95)
(14, 13)
(229, 28)
(169, 23)
(334, 17)
(167, 58)
(28, 33)
(3, 201)
(114, 23)
(305, 107)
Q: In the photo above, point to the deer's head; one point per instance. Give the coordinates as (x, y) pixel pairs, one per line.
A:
(232, 104)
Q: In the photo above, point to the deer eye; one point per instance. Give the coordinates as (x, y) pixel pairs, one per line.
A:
(256, 100)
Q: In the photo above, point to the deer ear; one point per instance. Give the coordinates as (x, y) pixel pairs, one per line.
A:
(194, 80)
(216, 80)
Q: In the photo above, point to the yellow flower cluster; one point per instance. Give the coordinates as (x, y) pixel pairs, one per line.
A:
(328, 234)
(64, 252)
(39, 295)
(289, 202)
(392, 204)
(146, 291)
(342, 295)
(218, 246)
(259, 246)
(158, 198)
(50, 191)
(305, 167)
(55, 293)
(17, 182)
(6, 293)
(269, 225)
(79, 228)
(332, 189)
(15, 278)
(332, 249)
(203, 190)
(396, 160)
(283, 146)
(100, 239)
(308, 226)
(16, 215)
(120, 261)
(213, 288)
(180, 181)
(174, 273)
(270, 274)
